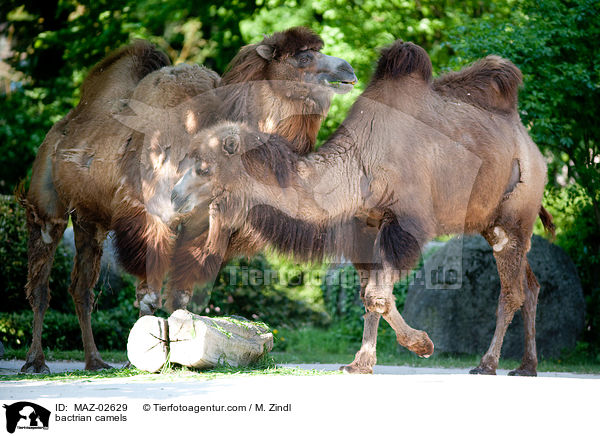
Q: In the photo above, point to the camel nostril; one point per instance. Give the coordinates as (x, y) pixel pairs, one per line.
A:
(230, 145)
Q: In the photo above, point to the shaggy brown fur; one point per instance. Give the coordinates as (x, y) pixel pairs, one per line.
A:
(491, 83)
(112, 163)
(417, 161)
(399, 60)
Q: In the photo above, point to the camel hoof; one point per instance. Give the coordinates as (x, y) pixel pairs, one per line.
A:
(35, 368)
(97, 365)
(424, 348)
(355, 369)
(483, 371)
(522, 372)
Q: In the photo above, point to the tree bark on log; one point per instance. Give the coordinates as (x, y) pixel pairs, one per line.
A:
(196, 341)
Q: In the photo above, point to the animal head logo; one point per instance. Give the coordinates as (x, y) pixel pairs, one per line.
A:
(26, 415)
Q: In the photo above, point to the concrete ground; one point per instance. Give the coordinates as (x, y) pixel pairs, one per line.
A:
(400, 399)
(8, 367)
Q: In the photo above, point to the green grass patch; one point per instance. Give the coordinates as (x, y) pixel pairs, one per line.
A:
(306, 345)
(338, 345)
(109, 356)
(266, 366)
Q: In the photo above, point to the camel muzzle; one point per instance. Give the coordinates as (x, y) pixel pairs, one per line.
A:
(336, 73)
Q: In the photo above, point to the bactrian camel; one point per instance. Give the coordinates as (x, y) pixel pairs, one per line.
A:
(415, 158)
(106, 174)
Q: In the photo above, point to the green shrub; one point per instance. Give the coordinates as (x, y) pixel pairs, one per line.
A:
(244, 288)
(61, 330)
(576, 232)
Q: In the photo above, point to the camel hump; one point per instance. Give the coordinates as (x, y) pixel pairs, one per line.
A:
(491, 83)
(401, 59)
(117, 74)
(172, 85)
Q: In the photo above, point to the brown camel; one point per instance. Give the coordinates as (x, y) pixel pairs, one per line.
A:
(416, 157)
(105, 175)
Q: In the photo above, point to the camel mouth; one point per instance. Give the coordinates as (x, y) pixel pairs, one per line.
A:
(339, 86)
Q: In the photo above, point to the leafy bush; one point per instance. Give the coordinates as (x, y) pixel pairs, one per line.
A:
(253, 288)
(13, 265)
(576, 232)
(61, 330)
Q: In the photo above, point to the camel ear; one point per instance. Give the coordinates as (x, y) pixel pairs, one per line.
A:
(231, 143)
(265, 51)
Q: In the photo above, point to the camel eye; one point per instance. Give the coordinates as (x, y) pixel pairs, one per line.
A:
(203, 168)
(304, 58)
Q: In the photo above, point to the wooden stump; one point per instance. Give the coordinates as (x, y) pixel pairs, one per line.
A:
(147, 345)
(196, 341)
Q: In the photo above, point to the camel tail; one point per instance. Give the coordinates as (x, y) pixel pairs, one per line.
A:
(20, 193)
(115, 76)
(547, 221)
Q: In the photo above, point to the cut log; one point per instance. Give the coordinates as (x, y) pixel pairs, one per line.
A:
(203, 342)
(196, 341)
(147, 345)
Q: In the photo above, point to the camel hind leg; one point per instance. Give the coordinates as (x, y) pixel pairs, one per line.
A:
(510, 246)
(86, 269)
(44, 237)
(532, 288)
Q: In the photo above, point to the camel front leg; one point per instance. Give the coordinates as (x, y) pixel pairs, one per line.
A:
(366, 357)
(197, 259)
(399, 249)
(86, 269)
(43, 240)
(379, 298)
(147, 297)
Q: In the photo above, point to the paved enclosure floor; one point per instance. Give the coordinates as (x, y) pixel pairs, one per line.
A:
(8, 367)
(401, 399)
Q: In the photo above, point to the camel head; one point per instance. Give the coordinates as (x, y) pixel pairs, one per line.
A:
(296, 58)
(293, 65)
(213, 164)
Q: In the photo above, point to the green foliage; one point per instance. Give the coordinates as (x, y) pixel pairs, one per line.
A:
(254, 289)
(356, 30)
(13, 268)
(576, 232)
(61, 330)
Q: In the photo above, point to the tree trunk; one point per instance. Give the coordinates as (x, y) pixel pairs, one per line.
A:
(204, 342)
(196, 341)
